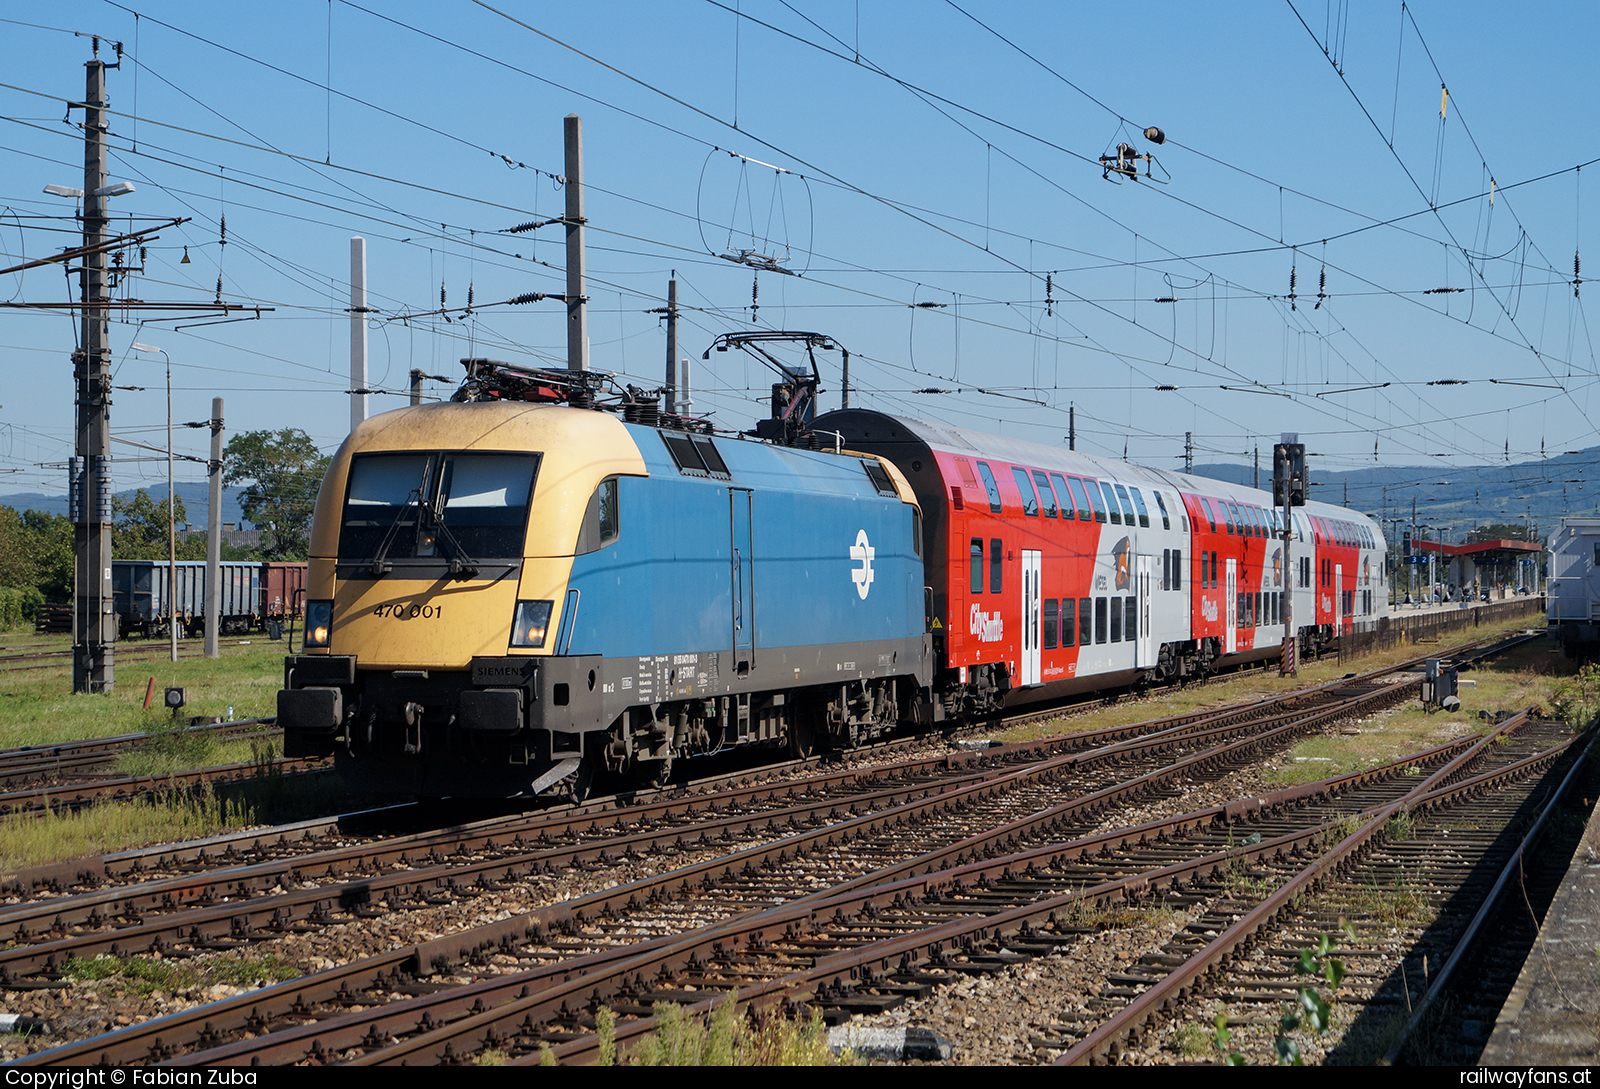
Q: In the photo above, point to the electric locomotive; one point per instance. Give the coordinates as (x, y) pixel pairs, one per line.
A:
(506, 593)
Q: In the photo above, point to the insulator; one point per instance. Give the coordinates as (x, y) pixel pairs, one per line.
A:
(441, 295)
(219, 287)
(469, 297)
(222, 236)
(530, 297)
(1155, 135)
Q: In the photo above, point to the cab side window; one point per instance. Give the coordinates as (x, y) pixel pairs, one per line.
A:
(602, 520)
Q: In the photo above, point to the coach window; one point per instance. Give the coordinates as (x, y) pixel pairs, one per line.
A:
(1111, 503)
(1130, 608)
(1214, 582)
(1211, 517)
(1177, 568)
(1069, 621)
(1127, 505)
(1051, 607)
(995, 556)
(1095, 499)
(1138, 503)
(1116, 617)
(1166, 568)
(990, 486)
(1046, 496)
(977, 565)
(1166, 522)
(1080, 499)
(1030, 502)
(1064, 495)
(1099, 620)
(1085, 622)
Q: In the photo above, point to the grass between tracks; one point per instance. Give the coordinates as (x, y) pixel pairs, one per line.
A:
(37, 706)
(1527, 676)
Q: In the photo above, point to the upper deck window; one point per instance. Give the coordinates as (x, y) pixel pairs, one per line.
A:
(990, 486)
(1111, 503)
(1046, 496)
(1030, 501)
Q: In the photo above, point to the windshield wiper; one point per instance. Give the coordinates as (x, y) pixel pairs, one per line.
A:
(379, 565)
(461, 564)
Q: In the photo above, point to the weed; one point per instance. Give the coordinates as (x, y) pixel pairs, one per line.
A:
(1577, 699)
(491, 1057)
(1311, 1010)
(1400, 827)
(1192, 1038)
(722, 1038)
(1220, 1037)
(148, 974)
(605, 1023)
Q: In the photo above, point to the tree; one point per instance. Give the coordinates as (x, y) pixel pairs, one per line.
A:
(1499, 531)
(139, 529)
(52, 548)
(17, 565)
(282, 471)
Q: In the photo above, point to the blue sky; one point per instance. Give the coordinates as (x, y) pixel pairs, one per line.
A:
(934, 154)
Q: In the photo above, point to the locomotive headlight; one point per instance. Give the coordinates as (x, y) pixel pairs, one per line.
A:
(530, 623)
(319, 623)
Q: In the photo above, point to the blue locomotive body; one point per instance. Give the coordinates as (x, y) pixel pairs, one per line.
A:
(673, 594)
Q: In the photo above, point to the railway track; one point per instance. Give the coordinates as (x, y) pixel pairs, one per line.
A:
(1463, 812)
(27, 657)
(911, 805)
(66, 761)
(891, 829)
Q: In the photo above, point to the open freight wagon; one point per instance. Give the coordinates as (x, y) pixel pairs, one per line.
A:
(251, 594)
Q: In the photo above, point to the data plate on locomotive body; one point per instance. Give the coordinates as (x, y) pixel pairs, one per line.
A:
(503, 671)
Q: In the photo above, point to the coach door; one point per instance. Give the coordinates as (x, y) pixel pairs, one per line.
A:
(742, 574)
(1144, 653)
(1031, 602)
(1230, 606)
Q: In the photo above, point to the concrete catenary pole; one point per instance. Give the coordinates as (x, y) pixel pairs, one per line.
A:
(577, 317)
(94, 625)
(358, 331)
(214, 533)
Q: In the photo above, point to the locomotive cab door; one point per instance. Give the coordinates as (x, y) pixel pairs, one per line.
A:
(742, 576)
(1144, 653)
(1231, 605)
(1031, 603)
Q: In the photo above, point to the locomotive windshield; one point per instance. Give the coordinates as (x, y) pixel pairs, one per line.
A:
(449, 506)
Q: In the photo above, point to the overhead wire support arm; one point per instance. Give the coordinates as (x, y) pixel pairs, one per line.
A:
(146, 235)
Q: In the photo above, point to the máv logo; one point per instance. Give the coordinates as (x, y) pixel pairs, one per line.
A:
(862, 553)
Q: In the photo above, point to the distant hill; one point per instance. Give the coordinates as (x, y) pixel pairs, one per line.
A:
(1456, 497)
(194, 495)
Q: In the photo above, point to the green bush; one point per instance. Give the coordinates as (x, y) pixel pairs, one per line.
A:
(19, 607)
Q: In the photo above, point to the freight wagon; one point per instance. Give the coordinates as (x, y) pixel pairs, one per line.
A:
(251, 593)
